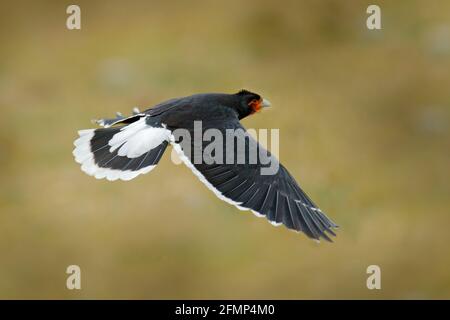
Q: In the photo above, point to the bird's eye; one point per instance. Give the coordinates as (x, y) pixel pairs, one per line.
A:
(253, 102)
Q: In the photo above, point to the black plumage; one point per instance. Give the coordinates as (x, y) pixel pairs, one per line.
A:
(276, 197)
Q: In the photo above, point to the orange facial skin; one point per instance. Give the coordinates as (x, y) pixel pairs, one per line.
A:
(255, 105)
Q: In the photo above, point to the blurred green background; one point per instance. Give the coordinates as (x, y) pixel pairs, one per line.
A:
(364, 120)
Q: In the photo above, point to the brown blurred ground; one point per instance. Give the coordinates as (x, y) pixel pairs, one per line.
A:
(364, 118)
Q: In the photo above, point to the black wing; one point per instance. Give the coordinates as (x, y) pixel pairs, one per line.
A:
(277, 197)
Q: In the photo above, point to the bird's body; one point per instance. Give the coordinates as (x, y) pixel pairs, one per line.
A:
(127, 147)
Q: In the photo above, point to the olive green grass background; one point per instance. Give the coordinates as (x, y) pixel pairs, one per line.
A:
(364, 119)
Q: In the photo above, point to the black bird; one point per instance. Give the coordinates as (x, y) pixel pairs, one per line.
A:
(128, 146)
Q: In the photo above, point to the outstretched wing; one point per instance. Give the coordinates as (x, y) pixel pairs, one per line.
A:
(276, 196)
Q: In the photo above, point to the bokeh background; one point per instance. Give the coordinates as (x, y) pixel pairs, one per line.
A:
(364, 120)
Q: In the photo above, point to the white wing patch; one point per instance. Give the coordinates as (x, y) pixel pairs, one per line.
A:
(137, 138)
(85, 157)
(133, 141)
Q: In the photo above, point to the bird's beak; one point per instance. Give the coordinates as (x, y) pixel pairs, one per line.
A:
(265, 103)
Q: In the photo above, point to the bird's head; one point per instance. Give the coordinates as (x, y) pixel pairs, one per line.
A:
(250, 103)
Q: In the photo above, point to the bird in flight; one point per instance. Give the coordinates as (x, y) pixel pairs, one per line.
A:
(125, 147)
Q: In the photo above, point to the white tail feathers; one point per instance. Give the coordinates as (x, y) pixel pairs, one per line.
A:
(120, 153)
